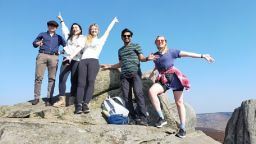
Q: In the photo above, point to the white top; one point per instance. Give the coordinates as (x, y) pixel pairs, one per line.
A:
(76, 43)
(93, 49)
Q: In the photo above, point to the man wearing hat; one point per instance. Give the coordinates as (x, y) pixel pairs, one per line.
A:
(48, 43)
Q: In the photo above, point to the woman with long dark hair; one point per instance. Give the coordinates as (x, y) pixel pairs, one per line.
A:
(171, 78)
(89, 65)
(75, 40)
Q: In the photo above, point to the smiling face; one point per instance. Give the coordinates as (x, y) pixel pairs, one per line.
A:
(127, 37)
(94, 30)
(76, 30)
(52, 28)
(160, 42)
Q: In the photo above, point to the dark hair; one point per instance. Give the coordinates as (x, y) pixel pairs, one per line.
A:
(71, 33)
(126, 30)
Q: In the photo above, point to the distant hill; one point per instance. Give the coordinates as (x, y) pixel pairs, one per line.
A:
(213, 124)
(213, 133)
(216, 121)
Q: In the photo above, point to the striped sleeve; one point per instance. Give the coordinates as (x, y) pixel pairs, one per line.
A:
(138, 49)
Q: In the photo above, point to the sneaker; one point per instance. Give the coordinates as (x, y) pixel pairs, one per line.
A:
(78, 109)
(161, 122)
(35, 102)
(85, 108)
(181, 133)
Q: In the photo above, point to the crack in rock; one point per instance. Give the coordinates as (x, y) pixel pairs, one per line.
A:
(1, 133)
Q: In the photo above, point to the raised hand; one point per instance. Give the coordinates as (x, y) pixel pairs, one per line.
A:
(116, 20)
(105, 66)
(60, 17)
(40, 43)
(152, 57)
(66, 61)
(208, 58)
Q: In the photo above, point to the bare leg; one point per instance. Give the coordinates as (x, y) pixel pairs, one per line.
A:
(154, 91)
(178, 96)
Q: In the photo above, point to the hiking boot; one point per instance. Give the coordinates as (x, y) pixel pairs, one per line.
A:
(161, 122)
(78, 109)
(181, 133)
(35, 102)
(48, 102)
(61, 102)
(85, 108)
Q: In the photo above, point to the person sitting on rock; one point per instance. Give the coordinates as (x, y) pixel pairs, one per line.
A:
(170, 78)
(89, 65)
(75, 40)
(130, 56)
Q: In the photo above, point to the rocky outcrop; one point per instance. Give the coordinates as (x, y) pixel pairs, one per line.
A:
(106, 81)
(169, 109)
(241, 127)
(42, 131)
(24, 123)
(28, 111)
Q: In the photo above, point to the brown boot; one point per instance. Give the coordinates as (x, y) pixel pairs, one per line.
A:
(61, 102)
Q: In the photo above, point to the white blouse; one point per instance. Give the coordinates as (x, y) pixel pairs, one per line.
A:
(76, 43)
(93, 49)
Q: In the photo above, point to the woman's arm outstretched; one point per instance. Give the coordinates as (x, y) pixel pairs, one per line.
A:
(106, 34)
(64, 28)
(196, 55)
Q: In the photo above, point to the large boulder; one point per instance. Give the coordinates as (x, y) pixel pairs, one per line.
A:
(172, 116)
(165, 104)
(241, 127)
(106, 80)
(42, 131)
(25, 123)
(98, 100)
(26, 110)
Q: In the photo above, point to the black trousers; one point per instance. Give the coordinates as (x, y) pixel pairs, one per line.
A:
(126, 85)
(87, 72)
(65, 70)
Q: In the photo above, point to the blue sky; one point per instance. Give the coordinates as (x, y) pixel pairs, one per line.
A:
(224, 29)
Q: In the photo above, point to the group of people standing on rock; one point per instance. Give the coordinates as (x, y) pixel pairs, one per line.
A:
(81, 60)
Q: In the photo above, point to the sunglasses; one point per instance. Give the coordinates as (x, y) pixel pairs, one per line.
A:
(126, 35)
(160, 41)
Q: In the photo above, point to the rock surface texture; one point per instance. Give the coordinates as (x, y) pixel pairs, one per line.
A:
(241, 127)
(26, 124)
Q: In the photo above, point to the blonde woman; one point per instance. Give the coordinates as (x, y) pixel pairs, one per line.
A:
(89, 65)
(171, 78)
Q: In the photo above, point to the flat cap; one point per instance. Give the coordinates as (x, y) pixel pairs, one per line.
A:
(52, 23)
